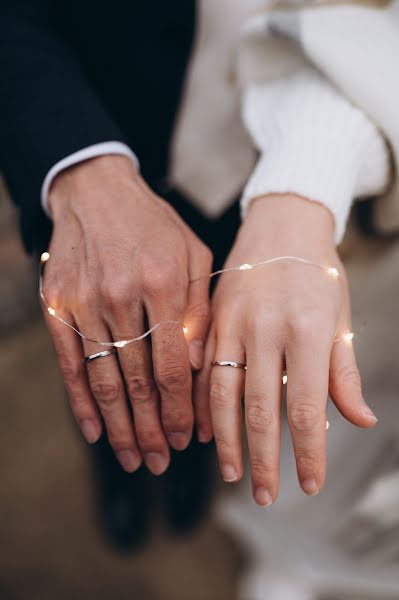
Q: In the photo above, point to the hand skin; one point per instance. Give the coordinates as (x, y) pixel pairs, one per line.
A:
(277, 317)
(121, 261)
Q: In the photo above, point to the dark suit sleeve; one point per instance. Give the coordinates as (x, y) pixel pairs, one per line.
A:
(47, 107)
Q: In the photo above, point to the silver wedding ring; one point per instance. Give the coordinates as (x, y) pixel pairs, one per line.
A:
(229, 363)
(99, 355)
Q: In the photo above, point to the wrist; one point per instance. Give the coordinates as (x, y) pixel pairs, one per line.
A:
(287, 224)
(82, 186)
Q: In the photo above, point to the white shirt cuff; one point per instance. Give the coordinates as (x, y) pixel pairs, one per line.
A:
(314, 143)
(80, 156)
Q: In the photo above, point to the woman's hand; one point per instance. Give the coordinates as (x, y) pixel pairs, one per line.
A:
(121, 261)
(284, 316)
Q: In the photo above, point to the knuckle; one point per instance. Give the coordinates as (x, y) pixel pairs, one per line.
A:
(86, 296)
(158, 277)
(79, 404)
(107, 393)
(52, 291)
(150, 439)
(305, 322)
(119, 441)
(260, 419)
(260, 469)
(220, 396)
(200, 311)
(172, 377)
(349, 376)
(307, 464)
(304, 417)
(206, 256)
(71, 370)
(224, 445)
(140, 389)
(176, 419)
(115, 294)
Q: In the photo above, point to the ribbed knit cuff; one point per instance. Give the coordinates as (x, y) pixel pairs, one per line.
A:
(314, 143)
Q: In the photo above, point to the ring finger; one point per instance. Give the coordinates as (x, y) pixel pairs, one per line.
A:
(108, 390)
(263, 390)
(226, 391)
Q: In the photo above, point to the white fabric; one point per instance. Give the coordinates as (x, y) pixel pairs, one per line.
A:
(80, 156)
(314, 143)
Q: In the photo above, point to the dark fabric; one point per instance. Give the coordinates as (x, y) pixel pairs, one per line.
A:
(78, 72)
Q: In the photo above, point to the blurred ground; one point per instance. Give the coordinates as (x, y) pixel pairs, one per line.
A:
(50, 547)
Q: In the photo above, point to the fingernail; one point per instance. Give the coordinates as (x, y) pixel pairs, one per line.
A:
(310, 487)
(196, 353)
(129, 460)
(90, 430)
(229, 473)
(369, 414)
(178, 440)
(156, 462)
(262, 497)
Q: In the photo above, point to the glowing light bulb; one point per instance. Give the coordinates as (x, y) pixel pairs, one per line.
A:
(348, 337)
(285, 379)
(51, 311)
(333, 272)
(245, 267)
(185, 329)
(327, 425)
(44, 257)
(120, 344)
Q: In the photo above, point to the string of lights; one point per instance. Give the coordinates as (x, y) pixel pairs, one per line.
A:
(330, 271)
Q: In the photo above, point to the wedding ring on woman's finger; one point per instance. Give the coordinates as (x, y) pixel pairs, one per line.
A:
(229, 363)
(101, 354)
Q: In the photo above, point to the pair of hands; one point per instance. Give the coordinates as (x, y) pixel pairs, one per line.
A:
(123, 260)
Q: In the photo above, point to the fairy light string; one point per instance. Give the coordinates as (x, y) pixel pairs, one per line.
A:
(332, 272)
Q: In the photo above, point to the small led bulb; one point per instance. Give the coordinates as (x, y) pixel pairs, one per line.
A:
(245, 267)
(185, 329)
(44, 257)
(120, 344)
(51, 311)
(333, 272)
(285, 379)
(348, 337)
(327, 425)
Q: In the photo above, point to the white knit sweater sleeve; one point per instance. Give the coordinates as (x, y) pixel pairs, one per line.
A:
(313, 142)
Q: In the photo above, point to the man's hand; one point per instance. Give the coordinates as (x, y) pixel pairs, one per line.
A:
(283, 316)
(121, 261)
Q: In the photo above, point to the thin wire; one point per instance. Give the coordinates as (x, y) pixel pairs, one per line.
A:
(247, 266)
(122, 343)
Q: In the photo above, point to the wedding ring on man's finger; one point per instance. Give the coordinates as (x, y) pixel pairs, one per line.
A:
(101, 354)
(229, 363)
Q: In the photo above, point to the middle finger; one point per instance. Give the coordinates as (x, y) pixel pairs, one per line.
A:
(135, 361)
(263, 390)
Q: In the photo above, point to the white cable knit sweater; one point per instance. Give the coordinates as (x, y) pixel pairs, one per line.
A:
(316, 144)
